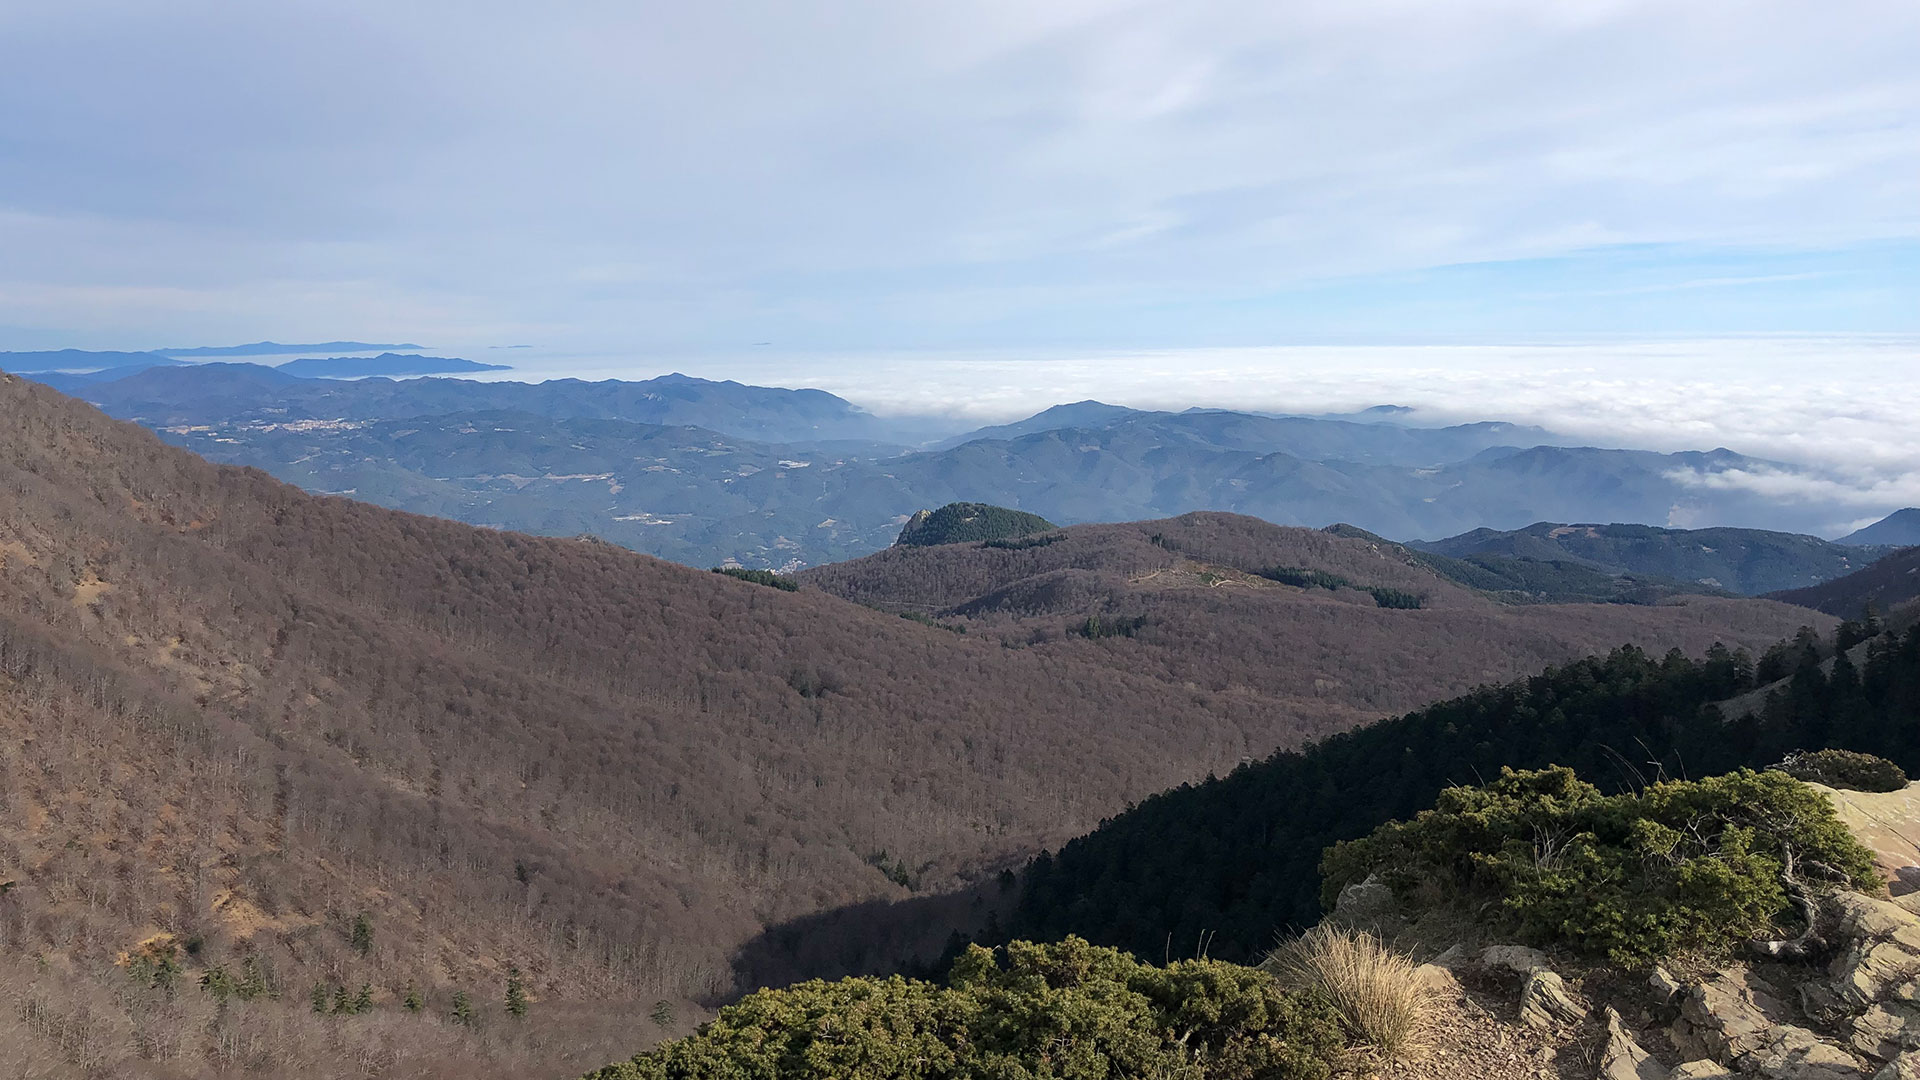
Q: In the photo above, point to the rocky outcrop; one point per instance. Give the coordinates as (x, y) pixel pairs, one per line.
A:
(1877, 973)
(1363, 901)
(1904, 1067)
(1727, 1017)
(1544, 997)
(1794, 1053)
(1888, 823)
(1624, 1058)
(1737, 1022)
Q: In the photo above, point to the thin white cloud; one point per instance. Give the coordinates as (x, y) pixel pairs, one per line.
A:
(824, 169)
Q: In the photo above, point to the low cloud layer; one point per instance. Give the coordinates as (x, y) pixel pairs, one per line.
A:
(1839, 412)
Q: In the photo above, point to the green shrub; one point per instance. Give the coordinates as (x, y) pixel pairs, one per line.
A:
(1301, 577)
(1677, 867)
(1026, 1012)
(759, 577)
(1396, 598)
(1845, 769)
(1096, 627)
(1022, 543)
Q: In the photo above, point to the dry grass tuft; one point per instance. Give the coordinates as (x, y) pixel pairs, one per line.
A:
(1377, 991)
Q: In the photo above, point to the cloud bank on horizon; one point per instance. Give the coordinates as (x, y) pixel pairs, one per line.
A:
(868, 173)
(1829, 419)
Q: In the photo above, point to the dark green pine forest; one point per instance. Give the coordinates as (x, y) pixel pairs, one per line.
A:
(1237, 858)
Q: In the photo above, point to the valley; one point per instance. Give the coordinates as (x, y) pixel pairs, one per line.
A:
(247, 718)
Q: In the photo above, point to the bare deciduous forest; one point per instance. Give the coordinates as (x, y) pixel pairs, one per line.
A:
(294, 786)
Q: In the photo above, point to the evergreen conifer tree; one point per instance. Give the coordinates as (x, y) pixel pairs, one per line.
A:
(253, 983)
(516, 993)
(217, 984)
(362, 934)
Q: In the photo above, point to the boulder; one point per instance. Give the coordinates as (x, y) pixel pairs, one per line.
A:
(1364, 900)
(1904, 1067)
(1880, 955)
(1624, 1058)
(1545, 1001)
(1725, 1017)
(1439, 981)
(1664, 986)
(1887, 1031)
(1788, 1052)
(1857, 915)
(1515, 958)
(1699, 1070)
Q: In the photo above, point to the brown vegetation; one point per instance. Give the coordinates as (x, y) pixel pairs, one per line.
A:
(1314, 659)
(235, 718)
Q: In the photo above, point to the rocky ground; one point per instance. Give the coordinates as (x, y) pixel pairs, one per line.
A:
(1851, 1012)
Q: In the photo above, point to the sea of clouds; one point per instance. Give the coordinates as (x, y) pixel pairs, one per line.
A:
(1835, 416)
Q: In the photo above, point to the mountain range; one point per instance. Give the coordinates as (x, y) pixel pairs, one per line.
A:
(714, 473)
(313, 744)
(1743, 561)
(387, 363)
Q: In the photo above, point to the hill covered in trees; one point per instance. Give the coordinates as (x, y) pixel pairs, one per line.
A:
(1892, 582)
(306, 745)
(1238, 856)
(963, 522)
(1308, 623)
(1747, 562)
(283, 769)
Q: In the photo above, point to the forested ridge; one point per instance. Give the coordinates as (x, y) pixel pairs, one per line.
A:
(1891, 581)
(241, 720)
(962, 522)
(302, 787)
(1289, 617)
(1237, 858)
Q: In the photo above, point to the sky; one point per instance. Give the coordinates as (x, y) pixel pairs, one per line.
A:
(679, 178)
(980, 206)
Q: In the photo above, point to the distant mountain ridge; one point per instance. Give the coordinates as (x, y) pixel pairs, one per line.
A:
(275, 348)
(387, 363)
(779, 479)
(1900, 529)
(175, 396)
(82, 360)
(1892, 582)
(1748, 562)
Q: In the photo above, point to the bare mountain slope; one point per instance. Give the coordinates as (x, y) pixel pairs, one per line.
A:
(238, 718)
(1203, 601)
(244, 715)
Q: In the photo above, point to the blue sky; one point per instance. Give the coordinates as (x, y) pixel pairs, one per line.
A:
(680, 179)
